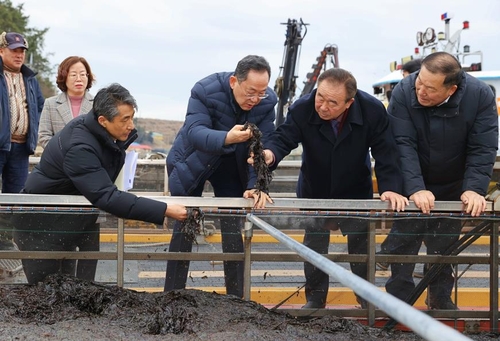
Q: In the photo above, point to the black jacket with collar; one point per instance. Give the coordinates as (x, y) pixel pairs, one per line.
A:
(339, 167)
(84, 159)
(447, 149)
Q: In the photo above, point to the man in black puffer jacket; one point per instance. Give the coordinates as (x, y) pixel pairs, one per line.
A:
(211, 146)
(85, 158)
(446, 127)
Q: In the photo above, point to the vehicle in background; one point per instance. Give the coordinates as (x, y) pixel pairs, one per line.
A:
(429, 42)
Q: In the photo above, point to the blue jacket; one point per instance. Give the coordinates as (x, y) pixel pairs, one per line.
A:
(83, 159)
(35, 102)
(212, 111)
(447, 149)
(339, 167)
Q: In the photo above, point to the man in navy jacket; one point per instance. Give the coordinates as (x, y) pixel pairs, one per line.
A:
(446, 127)
(21, 103)
(337, 126)
(21, 107)
(211, 146)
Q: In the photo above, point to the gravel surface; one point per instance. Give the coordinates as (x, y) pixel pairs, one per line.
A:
(65, 308)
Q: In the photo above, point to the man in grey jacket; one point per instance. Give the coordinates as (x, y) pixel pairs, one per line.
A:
(445, 125)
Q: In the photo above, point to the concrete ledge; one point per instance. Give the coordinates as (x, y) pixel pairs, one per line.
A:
(467, 297)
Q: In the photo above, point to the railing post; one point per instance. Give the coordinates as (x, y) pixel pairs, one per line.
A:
(247, 270)
(120, 249)
(165, 181)
(371, 268)
(494, 278)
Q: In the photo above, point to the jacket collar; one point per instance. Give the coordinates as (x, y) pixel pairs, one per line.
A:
(25, 71)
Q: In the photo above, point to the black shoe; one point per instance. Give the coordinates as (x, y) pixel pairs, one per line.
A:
(314, 305)
(441, 304)
(382, 265)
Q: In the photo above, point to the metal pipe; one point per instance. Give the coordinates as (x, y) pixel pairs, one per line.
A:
(420, 323)
(120, 251)
(371, 269)
(334, 207)
(247, 268)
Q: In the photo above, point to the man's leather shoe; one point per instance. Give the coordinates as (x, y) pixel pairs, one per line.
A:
(314, 305)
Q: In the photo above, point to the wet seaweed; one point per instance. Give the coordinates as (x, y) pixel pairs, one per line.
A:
(187, 314)
(264, 176)
(193, 225)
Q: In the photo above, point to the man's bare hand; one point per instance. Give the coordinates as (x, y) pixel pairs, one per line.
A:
(259, 198)
(474, 203)
(424, 200)
(268, 157)
(177, 212)
(398, 202)
(236, 135)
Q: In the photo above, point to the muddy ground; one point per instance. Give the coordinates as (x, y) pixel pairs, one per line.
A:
(65, 308)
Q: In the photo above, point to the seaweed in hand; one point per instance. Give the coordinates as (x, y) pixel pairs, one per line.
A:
(264, 176)
(193, 225)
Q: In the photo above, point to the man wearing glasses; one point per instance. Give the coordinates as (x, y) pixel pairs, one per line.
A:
(211, 146)
(338, 125)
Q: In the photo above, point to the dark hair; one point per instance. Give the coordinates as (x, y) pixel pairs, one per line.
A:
(107, 100)
(340, 76)
(446, 64)
(251, 62)
(63, 71)
(412, 65)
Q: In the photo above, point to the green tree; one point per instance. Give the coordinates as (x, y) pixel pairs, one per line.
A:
(13, 19)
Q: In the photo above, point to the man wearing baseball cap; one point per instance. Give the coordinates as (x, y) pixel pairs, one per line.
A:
(21, 103)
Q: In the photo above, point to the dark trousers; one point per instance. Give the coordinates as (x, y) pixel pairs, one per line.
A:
(14, 167)
(317, 238)
(56, 232)
(226, 183)
(439, 235)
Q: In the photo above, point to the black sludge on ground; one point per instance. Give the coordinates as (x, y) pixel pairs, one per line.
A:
(66, 308)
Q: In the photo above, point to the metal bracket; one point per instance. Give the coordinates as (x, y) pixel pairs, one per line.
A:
(472, 327)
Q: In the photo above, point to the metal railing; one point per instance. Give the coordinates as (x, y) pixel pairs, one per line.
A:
(420, 323)
(370, 209)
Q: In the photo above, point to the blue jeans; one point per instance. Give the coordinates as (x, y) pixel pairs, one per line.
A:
(14, 167)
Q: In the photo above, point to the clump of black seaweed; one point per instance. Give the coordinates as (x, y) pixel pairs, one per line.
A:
(264, 176)
(193, 225)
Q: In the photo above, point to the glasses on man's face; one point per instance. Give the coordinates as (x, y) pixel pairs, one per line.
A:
(76, 75)
(259, 96)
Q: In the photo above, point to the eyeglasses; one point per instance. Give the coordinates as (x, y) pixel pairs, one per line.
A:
(261, 97)
(76, 75)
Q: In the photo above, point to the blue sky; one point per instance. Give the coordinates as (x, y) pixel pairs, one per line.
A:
(159, 48)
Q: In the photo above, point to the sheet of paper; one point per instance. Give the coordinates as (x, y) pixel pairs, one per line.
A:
(125, 180)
